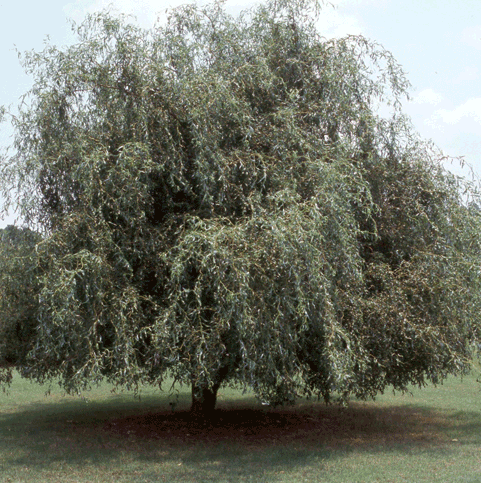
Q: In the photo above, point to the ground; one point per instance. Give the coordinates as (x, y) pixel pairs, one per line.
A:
(302, 426)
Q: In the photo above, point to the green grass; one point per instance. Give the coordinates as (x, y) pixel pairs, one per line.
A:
(433, 435)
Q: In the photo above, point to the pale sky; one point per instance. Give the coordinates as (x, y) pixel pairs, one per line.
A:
(438, 43)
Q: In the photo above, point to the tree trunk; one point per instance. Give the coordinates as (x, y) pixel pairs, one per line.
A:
(204, 397)
(204, 400)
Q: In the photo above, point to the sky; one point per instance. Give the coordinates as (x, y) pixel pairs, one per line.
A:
(438, 43)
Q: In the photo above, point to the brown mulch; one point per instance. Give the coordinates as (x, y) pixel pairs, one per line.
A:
(306, 426)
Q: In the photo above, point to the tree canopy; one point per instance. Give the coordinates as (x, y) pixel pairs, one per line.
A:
(221, 203)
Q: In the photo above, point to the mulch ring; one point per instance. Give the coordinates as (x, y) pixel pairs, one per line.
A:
(357, 425)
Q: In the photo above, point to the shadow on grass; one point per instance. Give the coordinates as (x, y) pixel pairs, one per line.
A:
(242, 438)
(307, 426)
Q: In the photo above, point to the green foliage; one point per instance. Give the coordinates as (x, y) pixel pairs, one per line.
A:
(221, 202)
(19, 291)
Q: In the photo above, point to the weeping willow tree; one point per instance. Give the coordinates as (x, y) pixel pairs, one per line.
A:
(221, 203)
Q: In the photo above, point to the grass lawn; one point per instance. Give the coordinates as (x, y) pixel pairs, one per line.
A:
(433, 435)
